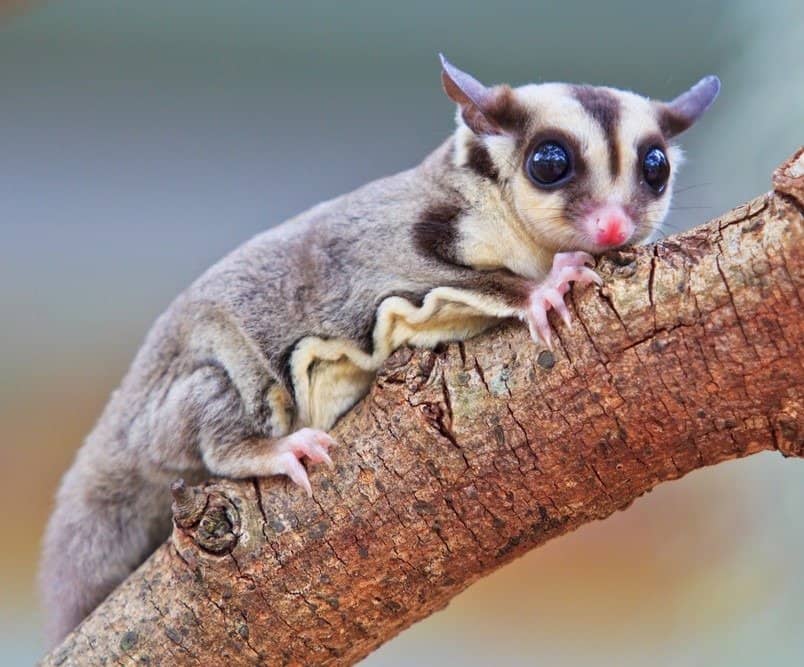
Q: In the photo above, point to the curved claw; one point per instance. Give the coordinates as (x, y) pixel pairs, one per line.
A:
(292, 467)
(590, 276)
(578, 258)
(305, 443)
(538, 325)
(578, 274)
(319, 455)
(556, 300)
(325, 439)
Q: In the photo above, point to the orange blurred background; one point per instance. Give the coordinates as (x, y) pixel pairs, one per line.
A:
(142, 141)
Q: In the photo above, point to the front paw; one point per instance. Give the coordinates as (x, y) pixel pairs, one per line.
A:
(567, 267)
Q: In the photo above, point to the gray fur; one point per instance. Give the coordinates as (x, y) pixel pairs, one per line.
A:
(324, 274)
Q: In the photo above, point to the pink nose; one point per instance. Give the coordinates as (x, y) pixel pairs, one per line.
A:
(610, 225)
(612, 231)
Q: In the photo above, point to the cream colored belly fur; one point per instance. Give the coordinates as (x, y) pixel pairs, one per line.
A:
(330, 376)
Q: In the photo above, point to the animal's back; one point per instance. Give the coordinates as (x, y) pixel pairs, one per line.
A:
(298, 279)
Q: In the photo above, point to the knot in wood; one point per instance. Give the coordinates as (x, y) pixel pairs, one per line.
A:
(218, 529)
(788, 428)
(206, 516)
(622, 257)
(546, 360)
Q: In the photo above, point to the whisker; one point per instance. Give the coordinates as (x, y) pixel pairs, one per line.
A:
(690, 187)
(665, 225)
(678, 207)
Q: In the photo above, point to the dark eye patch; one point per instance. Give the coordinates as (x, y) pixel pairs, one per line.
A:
(550, 142)
(652, 165)
(655, 169)
(550, 164)
(643, 198)
(575, 191)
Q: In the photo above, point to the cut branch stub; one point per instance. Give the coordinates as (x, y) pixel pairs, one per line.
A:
(462, 459)
(204, 516)
(188, 504)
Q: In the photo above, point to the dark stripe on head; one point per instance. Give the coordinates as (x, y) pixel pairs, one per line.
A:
(604, 107)
(436, 231)
(479, 160)
(507, 112)
(671, 122)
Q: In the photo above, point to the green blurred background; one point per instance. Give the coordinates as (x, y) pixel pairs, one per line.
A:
(142, 140)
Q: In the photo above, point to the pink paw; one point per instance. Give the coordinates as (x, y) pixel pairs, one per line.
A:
(306, 442)
(567, 267)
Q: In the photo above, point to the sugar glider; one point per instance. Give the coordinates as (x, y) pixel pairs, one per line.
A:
(248, 368)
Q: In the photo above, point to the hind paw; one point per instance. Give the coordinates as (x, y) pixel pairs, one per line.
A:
(287, 453)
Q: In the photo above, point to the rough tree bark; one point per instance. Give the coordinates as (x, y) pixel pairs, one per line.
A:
(461, 459)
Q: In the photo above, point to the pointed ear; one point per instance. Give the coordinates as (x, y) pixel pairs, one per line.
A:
(474, 99)
(682, 112)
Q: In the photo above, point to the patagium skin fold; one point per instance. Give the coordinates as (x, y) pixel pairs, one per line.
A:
(248, 368)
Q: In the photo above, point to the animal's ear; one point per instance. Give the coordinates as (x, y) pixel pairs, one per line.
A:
(682, 112)
(475, 100)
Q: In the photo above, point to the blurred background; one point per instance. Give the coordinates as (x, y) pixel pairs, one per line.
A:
(142, 140)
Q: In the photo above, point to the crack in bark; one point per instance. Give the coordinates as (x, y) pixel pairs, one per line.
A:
(653, 261)
(481, 375)
(606, 297)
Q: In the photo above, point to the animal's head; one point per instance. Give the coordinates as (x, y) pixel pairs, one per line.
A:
(583, 167)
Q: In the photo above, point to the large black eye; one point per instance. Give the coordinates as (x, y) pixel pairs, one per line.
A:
(655, 169)
(549, 163)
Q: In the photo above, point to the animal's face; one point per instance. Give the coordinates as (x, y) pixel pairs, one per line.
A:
(592, 170)
(583, 167)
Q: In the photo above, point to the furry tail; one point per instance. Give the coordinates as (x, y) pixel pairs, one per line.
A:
(104, 525)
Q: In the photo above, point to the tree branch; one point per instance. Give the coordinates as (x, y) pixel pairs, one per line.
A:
(464, 458)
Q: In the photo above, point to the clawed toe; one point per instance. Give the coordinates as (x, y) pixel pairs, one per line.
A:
(324, 439)
(288, 464)
(538, 324)
(308, 443)
(318, 454)
(578, 274)
(556, 300)
(311, 444)
(574, 259)
(567, 268)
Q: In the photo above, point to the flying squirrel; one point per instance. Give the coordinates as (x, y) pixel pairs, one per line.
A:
(247, 369)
